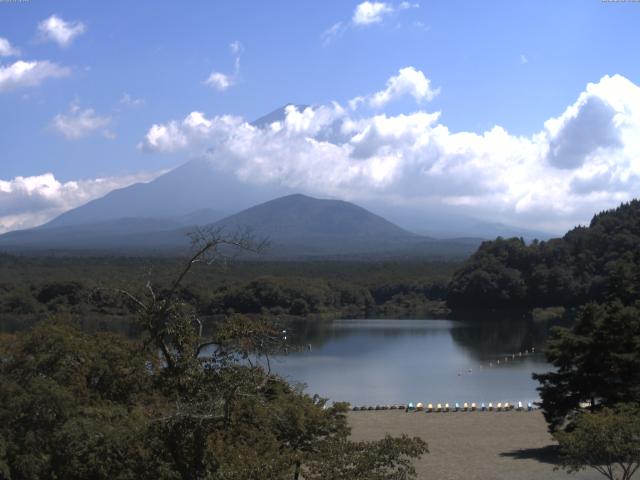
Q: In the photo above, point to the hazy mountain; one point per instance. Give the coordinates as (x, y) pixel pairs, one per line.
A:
(196, 185)
(297, 226)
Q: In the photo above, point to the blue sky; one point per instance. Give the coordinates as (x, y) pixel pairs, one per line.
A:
(130, 65)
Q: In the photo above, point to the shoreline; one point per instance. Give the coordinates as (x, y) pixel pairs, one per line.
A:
(511, 445)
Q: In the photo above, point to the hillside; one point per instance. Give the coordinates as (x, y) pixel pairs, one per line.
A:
(302, 226)
(587, 264)
(296, 226)
(193, 186)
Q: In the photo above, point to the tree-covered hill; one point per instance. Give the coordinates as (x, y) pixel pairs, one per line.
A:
(587, 264)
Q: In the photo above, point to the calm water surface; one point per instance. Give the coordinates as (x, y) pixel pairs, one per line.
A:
(386, 361)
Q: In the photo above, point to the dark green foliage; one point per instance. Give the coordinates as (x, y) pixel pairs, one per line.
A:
(607, 441)
(35, 288)
(174, 404)
(597, 361)
(588, 264)
(387, 459)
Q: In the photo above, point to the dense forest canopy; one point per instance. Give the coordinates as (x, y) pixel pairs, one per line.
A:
(175, 403)
(587, 264)
(34, 288)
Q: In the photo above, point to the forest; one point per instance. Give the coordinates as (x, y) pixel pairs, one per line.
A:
(591, 263)
(89, 288)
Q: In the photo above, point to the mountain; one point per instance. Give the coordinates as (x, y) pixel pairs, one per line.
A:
(195, 185)
(296, 226)
(301, 225)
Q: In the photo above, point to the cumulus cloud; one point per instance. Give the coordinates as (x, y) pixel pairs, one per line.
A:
(26, 202)
(29, 74)
(219, 81)
(367, 12)
(7, 50)
(222, 81)
(57, 30)
(408, 81)
(194, 129)
(592, 124)
(414, 159)
(80, 123)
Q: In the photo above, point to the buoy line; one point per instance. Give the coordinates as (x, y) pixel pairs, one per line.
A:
(456, 407)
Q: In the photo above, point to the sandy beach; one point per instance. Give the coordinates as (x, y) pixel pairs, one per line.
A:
(472, 445)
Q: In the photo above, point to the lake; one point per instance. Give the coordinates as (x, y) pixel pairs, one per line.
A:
(369, 362)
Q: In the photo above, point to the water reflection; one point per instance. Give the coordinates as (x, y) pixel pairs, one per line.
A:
(395, 361)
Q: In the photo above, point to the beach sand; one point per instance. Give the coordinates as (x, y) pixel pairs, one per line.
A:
(472, 445)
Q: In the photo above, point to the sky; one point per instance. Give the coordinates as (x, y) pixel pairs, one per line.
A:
(521, 112)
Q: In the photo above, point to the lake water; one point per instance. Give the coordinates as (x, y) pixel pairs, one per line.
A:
(369, 362)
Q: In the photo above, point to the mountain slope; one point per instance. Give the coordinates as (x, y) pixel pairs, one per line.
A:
(301, 226)
(296, 226)
(302, 216)
(192, 186)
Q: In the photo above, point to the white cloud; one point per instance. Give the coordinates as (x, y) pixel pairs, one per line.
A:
(367, 12)
(130, 101)
(29, 74)
(332, 33)
(549, 180)
(26, 202)
(409, 81)
(80, 123)
(523, 59)
(222, 81)
(195, 128)
(60, 31)
(219, 81)
(236, 47)
(8, 50)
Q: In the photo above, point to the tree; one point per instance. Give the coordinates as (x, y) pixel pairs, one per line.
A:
(387, 459)
(597, 361)
(607, 441)
(173, 404)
